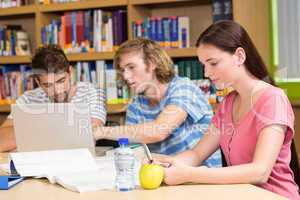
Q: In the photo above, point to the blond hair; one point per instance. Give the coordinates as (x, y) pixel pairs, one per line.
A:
(152, 54)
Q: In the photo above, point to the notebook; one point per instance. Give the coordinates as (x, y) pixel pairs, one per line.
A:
(7, 181)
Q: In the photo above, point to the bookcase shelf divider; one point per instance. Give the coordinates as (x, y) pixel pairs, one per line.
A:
(29, 9)
(90, 4)
(14, 59)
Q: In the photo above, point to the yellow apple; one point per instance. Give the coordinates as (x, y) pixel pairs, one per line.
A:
(151, 176)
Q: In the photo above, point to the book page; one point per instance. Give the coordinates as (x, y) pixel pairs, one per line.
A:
(53, 163)
(86, 181)
(101, 179)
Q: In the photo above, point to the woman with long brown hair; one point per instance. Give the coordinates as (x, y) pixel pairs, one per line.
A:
(254, 125)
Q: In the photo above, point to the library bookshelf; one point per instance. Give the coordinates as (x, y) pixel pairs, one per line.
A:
(253, 15)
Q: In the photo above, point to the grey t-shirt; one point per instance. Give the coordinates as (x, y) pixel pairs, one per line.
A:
(85, 93)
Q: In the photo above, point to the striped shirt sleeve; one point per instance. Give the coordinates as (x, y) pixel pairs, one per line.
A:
(131, 115)
(97, 104)
(21, 100)
(191, 99)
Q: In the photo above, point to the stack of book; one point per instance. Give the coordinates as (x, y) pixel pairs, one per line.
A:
(169, 32)
(87, 31)
(222, 10)
(103, 75)
(190, 68)
(13, 41)
(14, 81)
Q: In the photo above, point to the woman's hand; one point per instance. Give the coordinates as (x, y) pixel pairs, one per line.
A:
(156, 158)
(175, 171)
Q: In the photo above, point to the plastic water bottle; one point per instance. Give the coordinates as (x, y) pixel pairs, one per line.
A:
(124, 164)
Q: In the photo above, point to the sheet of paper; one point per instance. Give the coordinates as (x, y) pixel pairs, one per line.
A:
(53, 163)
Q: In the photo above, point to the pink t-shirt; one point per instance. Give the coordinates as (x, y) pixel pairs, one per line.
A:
(238, 140)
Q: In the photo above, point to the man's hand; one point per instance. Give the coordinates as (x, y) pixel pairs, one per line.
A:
(96, 126)
(7, 136)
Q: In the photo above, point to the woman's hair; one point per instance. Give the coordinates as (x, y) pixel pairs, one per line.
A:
(228, 36)
(152, 53)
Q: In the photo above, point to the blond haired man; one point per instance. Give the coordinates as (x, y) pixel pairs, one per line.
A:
(168, 112)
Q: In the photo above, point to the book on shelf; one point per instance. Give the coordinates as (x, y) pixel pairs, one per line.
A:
(22, 46)
(166, 32)
(87, 31)
(222, 10)
(97, 25)
(104, 76)
(15, 80)
(45, 2)
(116, 92)
(174, 32)
(190, 68)
(228, 9)
(169, 32)
(14, 41)
(106, 32)
(183, 32)
(119, 29)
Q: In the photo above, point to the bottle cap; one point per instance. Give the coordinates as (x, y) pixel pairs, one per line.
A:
(123, 141)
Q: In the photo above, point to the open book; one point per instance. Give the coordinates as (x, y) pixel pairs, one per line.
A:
(74, 169)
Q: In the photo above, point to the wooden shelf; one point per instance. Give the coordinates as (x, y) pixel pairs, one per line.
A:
(295, 103)
(116, 108)
(5, 108)
(15, 59)
(179, 53)
(174, 53)
(145, 2)
(111, 108)
(90, 56)
(57, 7)
(29, 9)
(5, 105)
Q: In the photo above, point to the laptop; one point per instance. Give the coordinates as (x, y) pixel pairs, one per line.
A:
(52, 126)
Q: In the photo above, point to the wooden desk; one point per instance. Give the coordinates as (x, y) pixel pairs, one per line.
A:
(31, 189)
